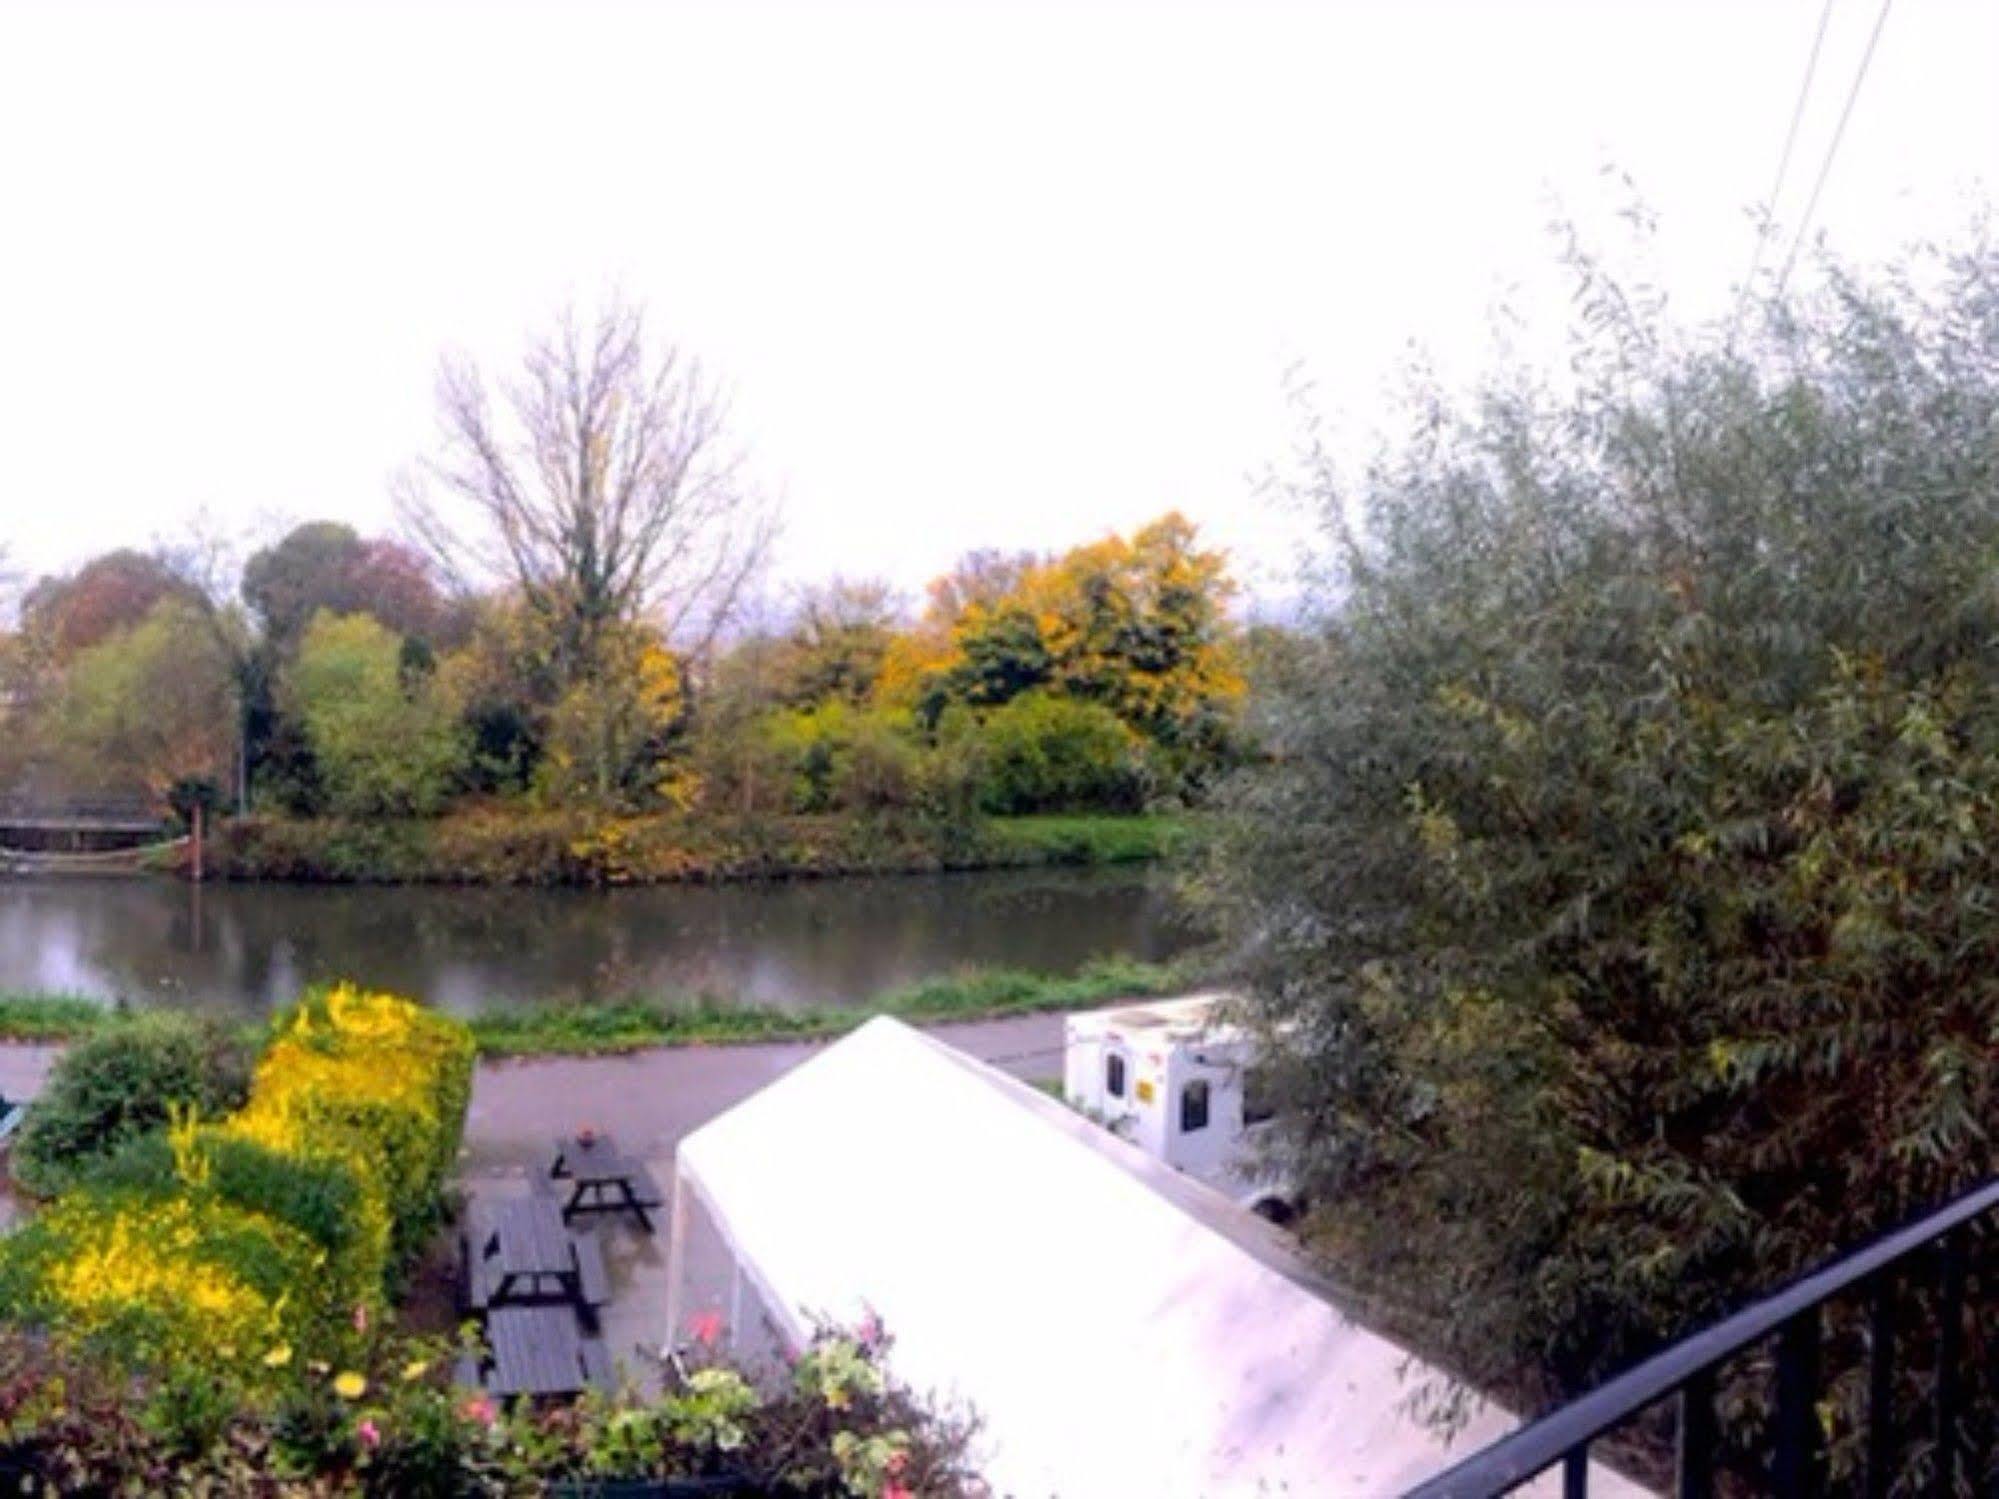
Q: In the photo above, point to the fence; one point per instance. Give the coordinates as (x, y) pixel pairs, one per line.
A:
(1933, 1254)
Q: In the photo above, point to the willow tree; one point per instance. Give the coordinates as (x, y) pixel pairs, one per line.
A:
(1620, 896)
(600, 486)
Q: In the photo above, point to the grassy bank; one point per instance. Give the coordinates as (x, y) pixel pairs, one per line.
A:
(51, 1017)
(563, 1028)
(513, 846)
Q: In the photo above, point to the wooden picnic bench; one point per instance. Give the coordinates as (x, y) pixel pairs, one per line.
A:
(519, 1252)
(602, 1180)
(539, 1350)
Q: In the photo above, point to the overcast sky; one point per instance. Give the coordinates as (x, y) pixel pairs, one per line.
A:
(1000, 274)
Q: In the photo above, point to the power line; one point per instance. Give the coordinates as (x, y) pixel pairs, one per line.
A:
(1839, 134)
(1783, 169)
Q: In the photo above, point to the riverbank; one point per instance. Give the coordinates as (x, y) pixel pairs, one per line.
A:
(597, 1028)
(511, 846)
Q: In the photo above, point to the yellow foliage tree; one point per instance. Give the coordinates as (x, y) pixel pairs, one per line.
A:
(608, 734)
(1139, 624)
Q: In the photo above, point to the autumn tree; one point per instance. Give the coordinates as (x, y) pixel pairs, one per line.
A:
(152, 706)
(326, 565)
(1138, 625)
(840, 634)
(609, 734)
(600, 486)
(915, 667)
(113, 592)
(502, 679)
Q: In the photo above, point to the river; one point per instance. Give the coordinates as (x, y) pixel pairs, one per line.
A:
(249, 948)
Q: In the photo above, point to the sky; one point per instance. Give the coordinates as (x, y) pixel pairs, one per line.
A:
(1004, 274)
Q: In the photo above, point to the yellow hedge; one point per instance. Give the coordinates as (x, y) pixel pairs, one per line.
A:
(215, 1265)
(376, 1083)
(163, 1279)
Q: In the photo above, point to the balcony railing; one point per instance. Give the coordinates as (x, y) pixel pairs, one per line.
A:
(1932, 1252)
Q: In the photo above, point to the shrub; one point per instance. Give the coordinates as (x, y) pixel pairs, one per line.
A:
(318, 1195)
(376, 1084)
(835, 1423)
(114, 1087)
(1619, 890)
(1043, 753)
(837, 757)
(225, 1243)
(68, 1421)
(183, 1279)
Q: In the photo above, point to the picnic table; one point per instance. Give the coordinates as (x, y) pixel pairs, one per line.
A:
(603, 1180)
(519, 1252)
(539, 1350)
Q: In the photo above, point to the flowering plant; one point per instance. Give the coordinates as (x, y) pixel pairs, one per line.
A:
(217, 1244)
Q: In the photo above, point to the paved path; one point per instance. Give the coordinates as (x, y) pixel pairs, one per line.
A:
(649, 1098)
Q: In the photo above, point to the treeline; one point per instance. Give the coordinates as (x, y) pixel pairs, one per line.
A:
(570, 627)
(337, 675)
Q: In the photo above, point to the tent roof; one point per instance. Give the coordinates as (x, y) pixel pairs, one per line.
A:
(1117, 1327)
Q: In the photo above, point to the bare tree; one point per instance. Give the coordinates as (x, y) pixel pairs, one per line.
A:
(602, 488)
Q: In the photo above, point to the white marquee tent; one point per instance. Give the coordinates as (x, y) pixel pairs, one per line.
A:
(1119, 1329)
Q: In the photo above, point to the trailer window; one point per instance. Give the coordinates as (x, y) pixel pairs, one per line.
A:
(1257, 1102)
(1193, 1107)
(1114, 1075)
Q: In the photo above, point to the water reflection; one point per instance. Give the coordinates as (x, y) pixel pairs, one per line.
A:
(250, 947)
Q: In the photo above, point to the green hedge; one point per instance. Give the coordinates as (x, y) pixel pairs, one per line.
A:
(121, 1084)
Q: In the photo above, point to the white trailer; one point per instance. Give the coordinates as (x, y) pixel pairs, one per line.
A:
(1180, 1083)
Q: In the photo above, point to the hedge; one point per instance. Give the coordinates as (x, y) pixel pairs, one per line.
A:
(229, 1242)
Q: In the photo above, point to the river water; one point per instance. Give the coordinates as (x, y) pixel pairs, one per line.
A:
(249, 948)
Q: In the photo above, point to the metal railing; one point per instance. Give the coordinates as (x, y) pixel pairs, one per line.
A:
(62, 810)
(1934, 1246)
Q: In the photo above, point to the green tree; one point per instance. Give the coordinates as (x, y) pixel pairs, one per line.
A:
(385, 741)
(151, 706)
(1618, 900)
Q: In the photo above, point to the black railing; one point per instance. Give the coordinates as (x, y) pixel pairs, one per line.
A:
(1689, 1371)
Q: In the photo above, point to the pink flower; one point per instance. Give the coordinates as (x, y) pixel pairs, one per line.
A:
(894, 1490)
(360, 1318)
(479, 1409)
(870, 1330)
(370, 1435)
(706, 1328)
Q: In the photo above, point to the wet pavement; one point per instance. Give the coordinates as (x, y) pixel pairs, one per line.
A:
(22, 1070)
